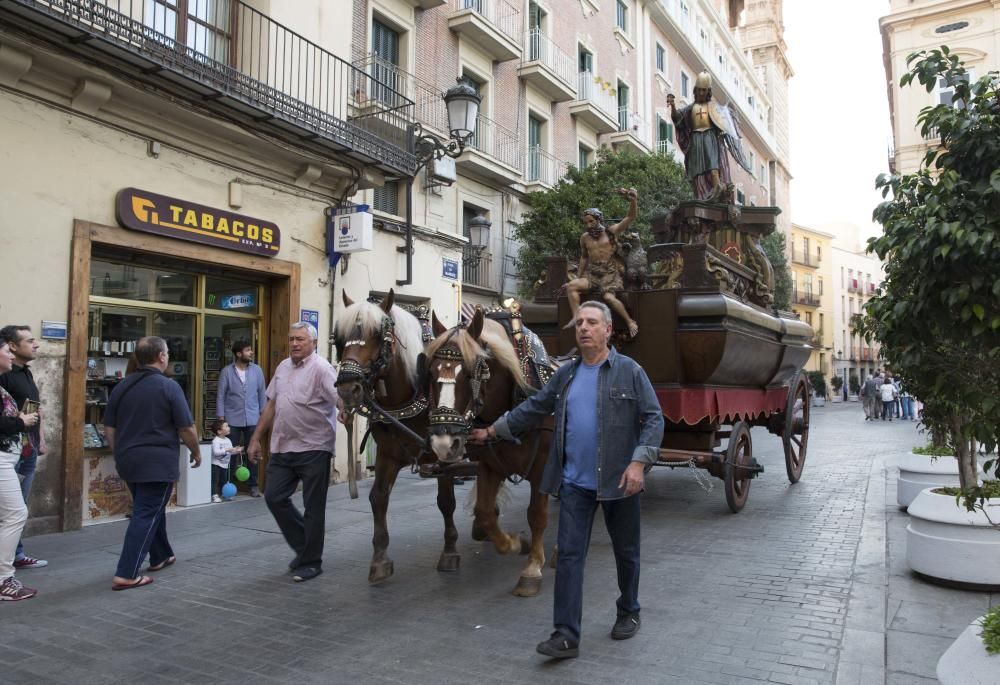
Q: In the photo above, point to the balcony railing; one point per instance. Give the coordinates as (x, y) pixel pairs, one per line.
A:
(477, 267)
(589, 90)
(497, 141)
(805, 297)
(500, 13)
(804, 258)
(429, 106)
(542, 49)
(543, 167)
(233, 59)
(853, 286)
(855, 321)
(630, 122)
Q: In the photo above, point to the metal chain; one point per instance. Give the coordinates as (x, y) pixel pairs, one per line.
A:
(702, 479)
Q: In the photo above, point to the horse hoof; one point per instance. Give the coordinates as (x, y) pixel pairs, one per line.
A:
(379, 571)
(528, 587)
(449, 561)
(525, 543)
(478, 534)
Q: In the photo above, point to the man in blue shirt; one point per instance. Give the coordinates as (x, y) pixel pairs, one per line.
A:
(145, 415)
(609, 427)
(241, 399)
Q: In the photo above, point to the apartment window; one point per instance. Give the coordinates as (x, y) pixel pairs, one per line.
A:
(946, 90)
(819, 253)
(387, 198)
(535, 32)
(583, 157)
(741, 199)
(585, 59)
(763, 174)
(819, 284)
(841, 278)
(664, 134)
(385, 62)
(809, 318)
(750, 101)
(821, 318)
(203, 26)
(661, 58)
(623, 112)
(685, 85)
(534, 149)
(475, 140)
(752, 159)
(621, 16)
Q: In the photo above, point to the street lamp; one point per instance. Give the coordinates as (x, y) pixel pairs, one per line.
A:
(462, 103)
(479, 237)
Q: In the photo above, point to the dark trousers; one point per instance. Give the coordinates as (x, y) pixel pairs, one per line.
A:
(147, 529)
(577, 507)
(240, 435)
(220, 476)
(304, 533)
(887, 410)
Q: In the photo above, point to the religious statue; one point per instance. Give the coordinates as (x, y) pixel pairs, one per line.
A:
(601, 264)
(706, 130)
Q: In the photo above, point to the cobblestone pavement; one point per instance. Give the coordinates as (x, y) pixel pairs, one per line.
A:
(807, 585)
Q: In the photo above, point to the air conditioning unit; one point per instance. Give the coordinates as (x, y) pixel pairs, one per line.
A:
(442, 170)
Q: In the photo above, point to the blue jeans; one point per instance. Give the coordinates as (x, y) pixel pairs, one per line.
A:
(577, 507)
(25, 469)
(147, 529)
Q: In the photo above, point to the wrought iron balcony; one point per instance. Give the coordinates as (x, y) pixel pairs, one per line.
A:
(543, 168)
(804, 297)
(477, 268)
(548, 68)
(594, 105)
(499, 144)
(239, 64)
(804, 258)
(493, 25)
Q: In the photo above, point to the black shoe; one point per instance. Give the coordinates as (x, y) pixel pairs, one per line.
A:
(306, 573)
(626, 626)
(293, 564)
(559, 647)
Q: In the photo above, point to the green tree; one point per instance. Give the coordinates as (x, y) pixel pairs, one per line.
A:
(553, 228)
(774, 248)
(937, 314)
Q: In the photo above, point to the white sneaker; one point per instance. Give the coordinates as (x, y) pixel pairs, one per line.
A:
(216, 499)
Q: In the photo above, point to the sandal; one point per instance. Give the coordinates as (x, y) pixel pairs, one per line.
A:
(139, 582)
(162, 565)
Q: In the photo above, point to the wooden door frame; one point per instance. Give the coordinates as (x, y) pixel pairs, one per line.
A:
(283, 305)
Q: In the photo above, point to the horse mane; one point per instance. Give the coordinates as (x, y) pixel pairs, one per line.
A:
(499, 348)
(407, 329)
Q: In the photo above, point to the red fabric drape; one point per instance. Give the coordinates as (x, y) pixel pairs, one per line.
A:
(692, 405)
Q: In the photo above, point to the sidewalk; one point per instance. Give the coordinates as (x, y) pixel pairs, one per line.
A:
(808, 584)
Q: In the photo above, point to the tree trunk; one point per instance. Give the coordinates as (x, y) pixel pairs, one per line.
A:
(967, 467)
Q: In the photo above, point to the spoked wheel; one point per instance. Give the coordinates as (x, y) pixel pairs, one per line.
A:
(739, 453)
(795, 434)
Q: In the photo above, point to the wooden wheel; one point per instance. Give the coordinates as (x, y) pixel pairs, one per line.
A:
(739, 453)
(795, 433)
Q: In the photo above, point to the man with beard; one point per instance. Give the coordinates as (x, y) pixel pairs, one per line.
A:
(241, 399)
(601, 265)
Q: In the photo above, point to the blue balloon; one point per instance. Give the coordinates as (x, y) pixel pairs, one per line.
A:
(229, 491)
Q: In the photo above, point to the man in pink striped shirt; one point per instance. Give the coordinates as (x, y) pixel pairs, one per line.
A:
(301, 413)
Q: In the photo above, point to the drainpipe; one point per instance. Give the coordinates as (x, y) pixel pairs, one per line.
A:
(408, 248)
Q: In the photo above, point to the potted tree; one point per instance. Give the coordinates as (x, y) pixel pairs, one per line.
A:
(974, 658)
(937, 314)
(818, 382)
(854, 385)
(836, 382)
(933, 466)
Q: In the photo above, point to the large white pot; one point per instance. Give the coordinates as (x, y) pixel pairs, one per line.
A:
(967, 662)
(946, 542)
(919, 471)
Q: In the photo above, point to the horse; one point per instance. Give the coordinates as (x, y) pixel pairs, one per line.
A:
(473, 376)
(380, 348)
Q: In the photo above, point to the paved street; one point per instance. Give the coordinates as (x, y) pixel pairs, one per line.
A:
(807, 585)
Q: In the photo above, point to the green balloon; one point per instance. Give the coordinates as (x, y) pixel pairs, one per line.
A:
(242, 473)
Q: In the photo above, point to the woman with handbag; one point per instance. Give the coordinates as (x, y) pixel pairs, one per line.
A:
(13, 511)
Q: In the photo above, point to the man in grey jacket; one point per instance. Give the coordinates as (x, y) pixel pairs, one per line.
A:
(241, 399)
(608, 431)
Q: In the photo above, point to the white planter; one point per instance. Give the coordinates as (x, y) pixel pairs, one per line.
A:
(967, 662)
(918, 472)
(946, 542)
(819, 401)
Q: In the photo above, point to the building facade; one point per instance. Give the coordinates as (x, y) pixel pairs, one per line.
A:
(970, 29)
(812, 297)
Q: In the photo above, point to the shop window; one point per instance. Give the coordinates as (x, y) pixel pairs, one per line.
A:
(132, 282)
(231, 296)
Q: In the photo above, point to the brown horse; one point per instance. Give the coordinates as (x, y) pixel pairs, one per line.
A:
(474, 376)
(380, 349)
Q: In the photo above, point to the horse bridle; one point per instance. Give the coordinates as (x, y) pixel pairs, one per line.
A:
(448, 420)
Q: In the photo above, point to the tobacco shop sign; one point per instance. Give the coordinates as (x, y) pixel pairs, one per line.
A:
(148, 212)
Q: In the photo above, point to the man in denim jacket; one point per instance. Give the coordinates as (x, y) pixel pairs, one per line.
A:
(608, 431)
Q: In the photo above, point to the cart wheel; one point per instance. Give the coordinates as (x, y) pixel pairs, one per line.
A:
(795, 434)
(739, 452)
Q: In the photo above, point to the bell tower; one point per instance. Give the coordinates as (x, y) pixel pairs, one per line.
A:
(761, 33)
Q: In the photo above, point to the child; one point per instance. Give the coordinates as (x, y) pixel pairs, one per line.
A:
(221, 449)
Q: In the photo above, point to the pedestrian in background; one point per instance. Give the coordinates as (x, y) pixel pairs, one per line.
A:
(13, 510)
(146, 418)
(889, 393)
(20, 383)
(609, 427)
(871, 397)
(301, 413)
(241, 398)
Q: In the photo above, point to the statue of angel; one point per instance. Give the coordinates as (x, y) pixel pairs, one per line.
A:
(705, 131)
